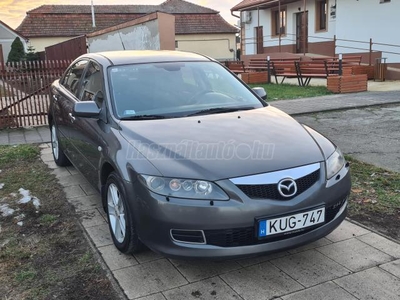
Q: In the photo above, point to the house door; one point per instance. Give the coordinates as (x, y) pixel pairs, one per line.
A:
(260, 40)
(302, 32)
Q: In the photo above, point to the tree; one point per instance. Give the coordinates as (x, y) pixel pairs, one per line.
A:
(31, 55)
(17, 52)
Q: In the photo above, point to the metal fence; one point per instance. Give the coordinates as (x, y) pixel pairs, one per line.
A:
(24, 91)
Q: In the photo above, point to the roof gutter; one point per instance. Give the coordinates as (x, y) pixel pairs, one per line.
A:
(256, 5)
(234, 15)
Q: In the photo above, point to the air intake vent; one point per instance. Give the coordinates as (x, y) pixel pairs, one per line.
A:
(188, 236)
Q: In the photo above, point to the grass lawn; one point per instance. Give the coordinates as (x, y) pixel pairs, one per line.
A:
(291, 91)
(375, 197)
(43, 253)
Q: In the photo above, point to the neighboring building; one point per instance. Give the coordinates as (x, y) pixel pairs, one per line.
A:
(197, 28)
(7, 37)
(265, 29)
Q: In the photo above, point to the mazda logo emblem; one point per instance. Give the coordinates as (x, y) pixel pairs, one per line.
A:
(287, 187)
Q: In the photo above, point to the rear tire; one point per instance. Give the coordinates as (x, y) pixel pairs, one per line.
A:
(58, 153)
(120, 220)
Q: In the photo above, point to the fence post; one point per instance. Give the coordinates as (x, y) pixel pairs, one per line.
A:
(269, 70)
(370, 51)
(340, 64)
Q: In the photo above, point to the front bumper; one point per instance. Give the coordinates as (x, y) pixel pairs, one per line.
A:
(155, 217)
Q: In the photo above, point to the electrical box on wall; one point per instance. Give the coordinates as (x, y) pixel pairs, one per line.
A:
(247, 17)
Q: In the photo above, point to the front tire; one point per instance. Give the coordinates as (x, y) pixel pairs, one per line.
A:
(58, 154)
(119, 216)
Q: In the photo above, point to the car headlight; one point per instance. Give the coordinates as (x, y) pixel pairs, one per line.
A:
(184, 188)
(334, 163)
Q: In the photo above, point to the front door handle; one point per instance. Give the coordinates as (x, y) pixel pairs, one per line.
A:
(71, 117)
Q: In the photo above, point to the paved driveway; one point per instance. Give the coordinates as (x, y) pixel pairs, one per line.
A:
(371, 134)
(350, 263)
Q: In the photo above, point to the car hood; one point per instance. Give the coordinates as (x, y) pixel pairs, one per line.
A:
(220, 146)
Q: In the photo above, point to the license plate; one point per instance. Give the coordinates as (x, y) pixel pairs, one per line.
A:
(291, 223)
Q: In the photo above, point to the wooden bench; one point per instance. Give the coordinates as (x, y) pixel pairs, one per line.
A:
(261, 64)
(286, 69)
(348, 59)
(306, 70)
(236, 67)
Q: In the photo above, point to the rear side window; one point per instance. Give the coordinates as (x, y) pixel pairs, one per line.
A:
(73, 76)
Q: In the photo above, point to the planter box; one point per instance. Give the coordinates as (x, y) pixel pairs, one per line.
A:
(255, 77)
(348, 84)
(359, 70)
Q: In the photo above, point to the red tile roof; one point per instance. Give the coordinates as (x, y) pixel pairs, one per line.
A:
(75, 20)
(202, 23)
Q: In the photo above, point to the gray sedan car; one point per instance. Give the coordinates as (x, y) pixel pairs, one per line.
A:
(190, 161)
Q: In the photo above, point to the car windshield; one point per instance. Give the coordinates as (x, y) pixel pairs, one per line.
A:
(177, 89)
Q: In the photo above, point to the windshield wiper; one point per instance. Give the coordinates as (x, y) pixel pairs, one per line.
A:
(144, 117)
(217, 110)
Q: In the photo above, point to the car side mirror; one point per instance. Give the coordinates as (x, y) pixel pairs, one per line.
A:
(260, 91)
(86, 109)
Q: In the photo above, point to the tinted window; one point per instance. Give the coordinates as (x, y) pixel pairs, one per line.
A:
(73, 76)
(92, 86)
(176, 89)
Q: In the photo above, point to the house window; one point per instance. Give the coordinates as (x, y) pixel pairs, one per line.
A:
(279, 22)
(321, 14)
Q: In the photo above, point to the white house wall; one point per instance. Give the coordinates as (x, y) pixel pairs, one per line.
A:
(292, 9)
(138, 37)
(7, 37)
(365, 19)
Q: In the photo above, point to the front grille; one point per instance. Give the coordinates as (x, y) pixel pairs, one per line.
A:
(246, 236)
(270, 191)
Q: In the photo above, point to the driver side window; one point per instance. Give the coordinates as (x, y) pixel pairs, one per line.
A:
(92, 87)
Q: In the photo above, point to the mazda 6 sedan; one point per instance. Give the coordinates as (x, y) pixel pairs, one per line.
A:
(190, 161)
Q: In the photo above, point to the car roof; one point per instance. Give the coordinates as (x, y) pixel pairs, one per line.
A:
(146, 56)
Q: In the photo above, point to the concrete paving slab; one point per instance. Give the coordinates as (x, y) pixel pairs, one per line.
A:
(46, 151)
(74, 191)
(72, 180)
(100, 235)
(213, 288)
(116, 260)
(91, 218)
(325, 291)
(392, 267)
(261, 282)
(197, 270)
(47, 157)
(149, 278)
(157, 296)
(72, 170)
(87, 188)
(52, 164)
(147, 255)
(310, 268)
(346, 231)
(44, 133)
(381, 243)
(61, 172)
(247, 262)
(373, 283)
(85, 203)
(316, 244)
(355, 255)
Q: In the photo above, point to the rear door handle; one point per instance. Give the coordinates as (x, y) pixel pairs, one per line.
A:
(71, 117)
(55, 98)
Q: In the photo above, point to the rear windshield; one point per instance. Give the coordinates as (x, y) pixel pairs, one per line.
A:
(176, 89)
